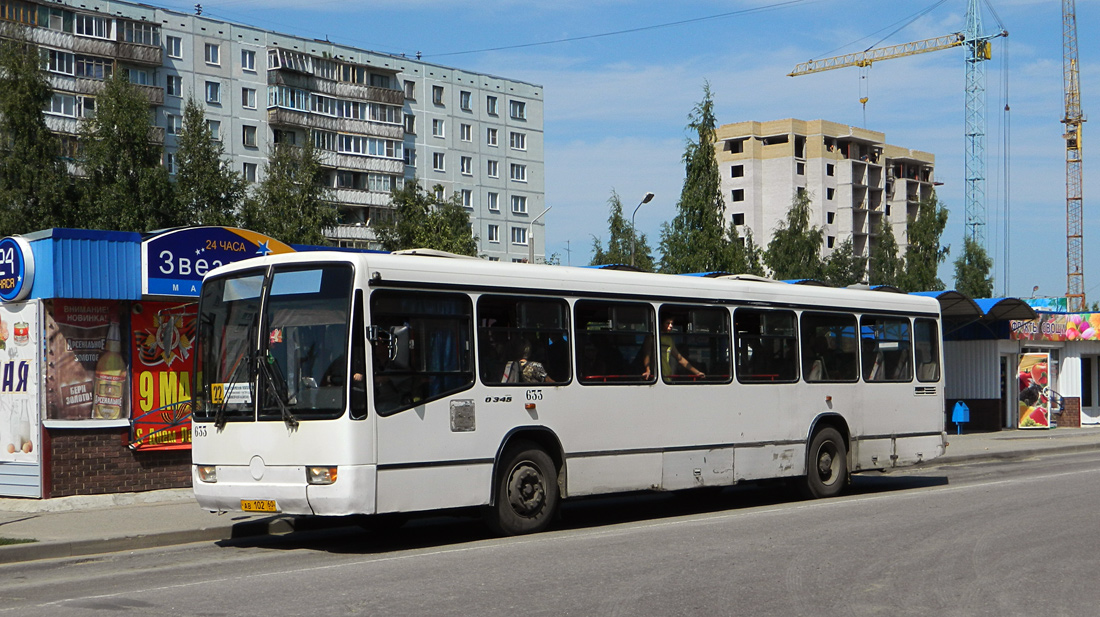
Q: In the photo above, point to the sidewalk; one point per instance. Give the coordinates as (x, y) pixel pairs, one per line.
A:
(88, 525)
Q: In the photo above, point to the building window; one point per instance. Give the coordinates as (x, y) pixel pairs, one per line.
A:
(141, 33)
(213, 54)
(519, 204)
(493, 233)
(737, 171)
(215, 127)
(438, 161)
(95, 27)
(93, 67)
(410, 89)
(829, 193)
(492, 169)
(410, 124)
(800, 169)
(138, 77)
(289, 138)
(58, 61)
(830, 241)
(801, 191)
(172, 124)
(248, 60)
(437, 95)
(829, 216)
(464, 100)
(518, 141)
(440, 193)
(248, 98)
(517, 110)
(739, 218)
(173, 85)
(249, 172)
(491, 105)
(518, 172)
(170, 163)
(491, 136)
(410, 157)
(493, 202)
(465, 132)
(519, 235)
(830, 169)
(249, 136)
(213, 92)
(437, 127)
(467, 198)
(738, 195)
(63, 105)
(173, 46)
(466, 165)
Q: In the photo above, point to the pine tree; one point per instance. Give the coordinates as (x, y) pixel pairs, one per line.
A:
(292, 203)
(623, 247)
(35, 188)
(972, 271)
(885, 262)
(696, 238)
(208, 190)
(126, 186)
(424, 220)
(924, 253)
(795, 249)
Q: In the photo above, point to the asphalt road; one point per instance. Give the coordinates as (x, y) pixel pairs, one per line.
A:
(997, 539)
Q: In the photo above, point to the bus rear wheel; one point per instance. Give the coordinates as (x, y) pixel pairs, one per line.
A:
(526, 491)
(826, 465)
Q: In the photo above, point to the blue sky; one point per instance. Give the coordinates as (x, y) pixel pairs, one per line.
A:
(616, 106)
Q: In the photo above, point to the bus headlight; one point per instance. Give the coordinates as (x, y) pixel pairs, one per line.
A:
(320, 475)
(207, 473)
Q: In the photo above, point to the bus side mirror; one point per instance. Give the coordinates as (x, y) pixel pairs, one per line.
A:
(399, 346)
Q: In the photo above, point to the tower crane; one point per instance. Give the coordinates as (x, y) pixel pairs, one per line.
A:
(1075, 275)
(979, 49)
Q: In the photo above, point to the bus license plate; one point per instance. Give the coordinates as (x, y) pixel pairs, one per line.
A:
(259, 505)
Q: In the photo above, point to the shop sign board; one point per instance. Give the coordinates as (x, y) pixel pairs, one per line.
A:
(162, 353)
(20, 399)
(173, 263)
(1057, 327)
(16, 269)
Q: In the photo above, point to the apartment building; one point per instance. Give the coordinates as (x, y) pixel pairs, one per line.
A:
(854, 179)
(377, 120)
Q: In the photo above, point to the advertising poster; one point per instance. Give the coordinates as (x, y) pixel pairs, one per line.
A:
(1034, 380)
(20, 344)
(162, 356)
(87, 375)
(1057, 327)
(173, 263)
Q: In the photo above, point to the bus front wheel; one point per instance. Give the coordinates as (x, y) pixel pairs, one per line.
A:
(826, 465)
(526, 491)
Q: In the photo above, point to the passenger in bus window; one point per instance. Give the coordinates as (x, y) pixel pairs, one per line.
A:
(669, 354)
(530, 370)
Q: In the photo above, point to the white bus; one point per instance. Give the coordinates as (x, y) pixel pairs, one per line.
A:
(335, 383)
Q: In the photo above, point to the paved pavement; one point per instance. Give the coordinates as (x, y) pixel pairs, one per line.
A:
(87, 525)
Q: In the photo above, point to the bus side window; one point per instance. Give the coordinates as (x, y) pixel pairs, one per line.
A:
(358, 381)
(614, 342)
(887, 348)
(694, 337)
(829, 347)
(926, 335)
(522, 340)
(766, 343)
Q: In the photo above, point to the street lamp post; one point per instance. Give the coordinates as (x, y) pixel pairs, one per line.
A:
(531, 236)
(633, 236)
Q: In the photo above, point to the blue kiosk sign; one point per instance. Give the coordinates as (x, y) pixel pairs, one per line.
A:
(16, 269)
(173, 263)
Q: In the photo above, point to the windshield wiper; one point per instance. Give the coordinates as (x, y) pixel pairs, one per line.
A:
(269, 377)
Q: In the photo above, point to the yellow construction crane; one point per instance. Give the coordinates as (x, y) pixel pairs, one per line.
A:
(865, 58)
(1075, 261)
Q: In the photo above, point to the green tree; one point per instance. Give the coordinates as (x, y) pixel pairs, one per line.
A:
(885, 262)
(696, 238)
(972, 269)
(292, 203)
(424, 220)
(795, 249)
(208, 191)
(126, 186)
(843, 267)
(621, 241)
(752, 254)
(35, 188)
(924, 253)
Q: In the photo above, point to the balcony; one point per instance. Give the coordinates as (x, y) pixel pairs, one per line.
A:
(277, 116)
(336, 89)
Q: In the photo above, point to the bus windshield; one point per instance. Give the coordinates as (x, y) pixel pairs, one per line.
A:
(274, 345)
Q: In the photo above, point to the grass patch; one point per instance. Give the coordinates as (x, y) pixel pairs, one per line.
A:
(7, 541)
